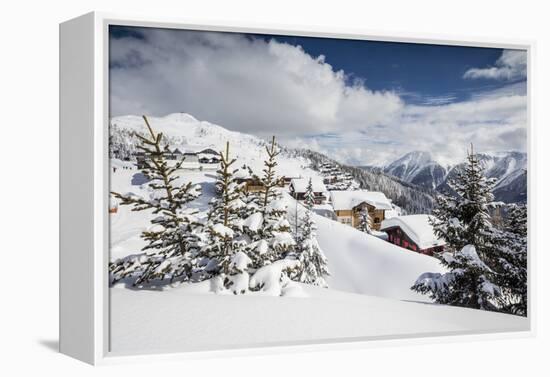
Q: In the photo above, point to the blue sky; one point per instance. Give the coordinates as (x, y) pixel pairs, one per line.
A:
(420, 73)
(363, 102)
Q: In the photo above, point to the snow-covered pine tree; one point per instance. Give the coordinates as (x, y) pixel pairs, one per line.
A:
(365, 221)
(224, 227)
(512, 275)
(269, 179)
(251, 199)
(272, 230)
(472, 244)
(309, 196)
(121, 143)
(172, 239)
(313, 267)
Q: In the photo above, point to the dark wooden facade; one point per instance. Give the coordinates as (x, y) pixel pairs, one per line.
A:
(318, 197)
(398, 237)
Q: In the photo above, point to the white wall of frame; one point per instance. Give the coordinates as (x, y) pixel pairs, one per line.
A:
(30, 84)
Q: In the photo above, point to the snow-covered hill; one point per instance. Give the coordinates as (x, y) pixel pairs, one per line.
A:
(154, 322)
(508, 168)
(359, 263)
(369, 292)
(186, 132)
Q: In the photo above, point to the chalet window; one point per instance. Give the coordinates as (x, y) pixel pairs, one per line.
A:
(377, 219)
(405, 244)
(413, 246)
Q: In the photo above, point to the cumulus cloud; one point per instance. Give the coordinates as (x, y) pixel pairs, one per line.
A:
(265, 87)
(247, 84)
(491, 123)
(511, 65)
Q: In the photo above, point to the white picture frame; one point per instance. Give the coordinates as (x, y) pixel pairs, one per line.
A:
(84, 119)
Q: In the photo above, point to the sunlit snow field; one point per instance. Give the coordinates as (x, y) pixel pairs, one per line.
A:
(369, 292)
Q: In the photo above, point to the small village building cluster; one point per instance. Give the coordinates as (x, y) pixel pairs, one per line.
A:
(194, 157)
(336, 180)
(413, 232)
(336, 196)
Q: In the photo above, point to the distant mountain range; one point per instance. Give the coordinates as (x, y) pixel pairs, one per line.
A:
(508, 168)
(418, 168)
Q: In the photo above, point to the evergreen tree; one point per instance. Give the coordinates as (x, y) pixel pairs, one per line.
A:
(271, 233)
(513, 272)
(224, 225)
(365, 221)
(309, 196)
(172, 240)
(250, 198)
(472, 243)
(270, 180)
(313, 264)
(468, 283)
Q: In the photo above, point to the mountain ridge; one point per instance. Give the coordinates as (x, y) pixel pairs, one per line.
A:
(508, 168)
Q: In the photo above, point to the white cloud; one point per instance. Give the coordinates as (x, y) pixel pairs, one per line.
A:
(245, 84)
(511, 65)
(266, 87)
(491, 123)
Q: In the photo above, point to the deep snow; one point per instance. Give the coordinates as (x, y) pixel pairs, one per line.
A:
(186, 319)
(192, 317)
(359, 263)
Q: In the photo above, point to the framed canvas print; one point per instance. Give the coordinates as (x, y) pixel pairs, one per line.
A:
(227, 188)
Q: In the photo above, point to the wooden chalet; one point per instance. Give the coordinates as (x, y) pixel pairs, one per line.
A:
(413, 232)
(298, 188)
(251, 184)
(175, 154)
(287, 180)
(348, 206)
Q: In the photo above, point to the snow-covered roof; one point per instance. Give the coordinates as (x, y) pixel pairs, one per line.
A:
(417, 227)
(242, 174)
(300, 184)
(342, 200)
(209, 156)
(191, 148)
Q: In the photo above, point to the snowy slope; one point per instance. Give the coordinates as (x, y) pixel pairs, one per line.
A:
(362, 263)
(152, 322)
(362, 267)
(189, 132)
(359, 263)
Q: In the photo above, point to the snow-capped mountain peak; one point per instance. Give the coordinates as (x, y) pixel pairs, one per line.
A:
(419, 168)
(508, 168)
